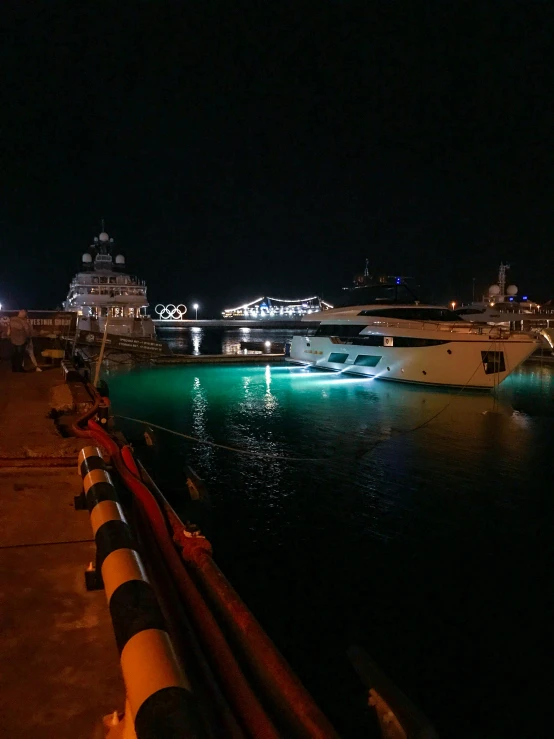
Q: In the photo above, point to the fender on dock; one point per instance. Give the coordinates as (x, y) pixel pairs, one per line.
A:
(160, 699)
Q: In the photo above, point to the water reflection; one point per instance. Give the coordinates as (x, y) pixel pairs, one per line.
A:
(196, 340)
(200, 409)
(270, 401)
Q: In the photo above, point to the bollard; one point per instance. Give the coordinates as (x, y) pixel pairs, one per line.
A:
(103, 413)
(159, 694)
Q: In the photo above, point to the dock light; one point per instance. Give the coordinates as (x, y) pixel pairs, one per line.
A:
(453, 304)
(195, 306)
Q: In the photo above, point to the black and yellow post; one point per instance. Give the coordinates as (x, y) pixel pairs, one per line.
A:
(159, 695)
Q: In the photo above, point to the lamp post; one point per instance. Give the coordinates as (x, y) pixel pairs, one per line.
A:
(453, 304)
(195, 306)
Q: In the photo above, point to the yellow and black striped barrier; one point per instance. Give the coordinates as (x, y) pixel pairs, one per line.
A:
(158, 693)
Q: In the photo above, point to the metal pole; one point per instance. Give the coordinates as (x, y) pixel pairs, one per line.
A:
(101, 355)
(473, 293)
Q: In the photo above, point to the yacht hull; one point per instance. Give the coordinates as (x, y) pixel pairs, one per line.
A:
(475, 362)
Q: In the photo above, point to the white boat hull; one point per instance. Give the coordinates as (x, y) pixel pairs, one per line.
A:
(468, 362)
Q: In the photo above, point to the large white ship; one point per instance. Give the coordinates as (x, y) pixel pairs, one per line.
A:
(103, 292)
(383, 332)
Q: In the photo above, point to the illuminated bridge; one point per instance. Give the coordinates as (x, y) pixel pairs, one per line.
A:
(277, 308)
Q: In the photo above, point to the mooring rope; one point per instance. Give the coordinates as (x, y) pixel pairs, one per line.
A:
(221, 446)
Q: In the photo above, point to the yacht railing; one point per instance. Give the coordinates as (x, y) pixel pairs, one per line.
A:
(451, 327)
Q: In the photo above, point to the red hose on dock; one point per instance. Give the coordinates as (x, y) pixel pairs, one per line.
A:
(238, 691)
(271, 669)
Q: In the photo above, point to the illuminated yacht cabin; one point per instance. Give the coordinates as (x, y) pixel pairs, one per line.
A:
(103, 291)
(382, 331)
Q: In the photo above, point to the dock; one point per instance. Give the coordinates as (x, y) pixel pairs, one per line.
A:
(259, 358)
(269, 323)
(59, 671)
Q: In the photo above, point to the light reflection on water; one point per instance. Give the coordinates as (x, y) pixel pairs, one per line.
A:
(425, 542)
(201, 340)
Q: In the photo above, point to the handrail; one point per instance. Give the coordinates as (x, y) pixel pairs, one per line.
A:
(384, 694)
(451, 327)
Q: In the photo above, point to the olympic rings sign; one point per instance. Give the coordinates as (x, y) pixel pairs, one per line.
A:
(171, 312)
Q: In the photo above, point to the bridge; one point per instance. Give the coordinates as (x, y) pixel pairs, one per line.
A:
(272, 308)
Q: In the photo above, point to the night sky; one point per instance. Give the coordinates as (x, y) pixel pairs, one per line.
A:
(237, 149)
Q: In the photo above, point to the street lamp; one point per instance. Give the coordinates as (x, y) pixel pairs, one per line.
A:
(195, 306)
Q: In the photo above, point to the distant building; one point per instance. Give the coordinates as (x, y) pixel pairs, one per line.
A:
(277, 308)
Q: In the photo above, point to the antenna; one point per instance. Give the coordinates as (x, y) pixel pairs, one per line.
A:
(502, 278)
(102, 221)
(366, 270)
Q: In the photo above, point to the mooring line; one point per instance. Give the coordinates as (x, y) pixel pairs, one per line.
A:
(222, 446)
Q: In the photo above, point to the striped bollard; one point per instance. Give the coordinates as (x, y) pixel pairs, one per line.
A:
(158, 693)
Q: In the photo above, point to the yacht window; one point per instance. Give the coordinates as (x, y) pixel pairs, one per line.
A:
(367, 360)
(112, 280)
(493, 362)
(103, 280)
(346, 330)
(339, 357)
(470, 311)
(413, 314)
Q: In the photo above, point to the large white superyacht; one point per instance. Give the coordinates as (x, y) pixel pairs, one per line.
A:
(102, 291)
(383, 332)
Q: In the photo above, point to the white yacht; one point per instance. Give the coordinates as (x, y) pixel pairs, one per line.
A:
(385, 333)
(103, 292)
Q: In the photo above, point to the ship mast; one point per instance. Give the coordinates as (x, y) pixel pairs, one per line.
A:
(502, 279)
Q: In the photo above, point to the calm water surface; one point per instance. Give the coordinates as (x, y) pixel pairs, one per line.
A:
(431, 548)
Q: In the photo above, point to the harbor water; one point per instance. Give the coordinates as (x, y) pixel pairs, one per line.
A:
(415, 522)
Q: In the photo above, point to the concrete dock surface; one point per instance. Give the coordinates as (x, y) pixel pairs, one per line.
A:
(59, 666)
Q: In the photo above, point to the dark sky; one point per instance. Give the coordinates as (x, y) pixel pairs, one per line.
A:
(243, 148)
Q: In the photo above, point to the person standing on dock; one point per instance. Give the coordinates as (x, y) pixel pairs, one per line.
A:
(19, 332)
(29, 348)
